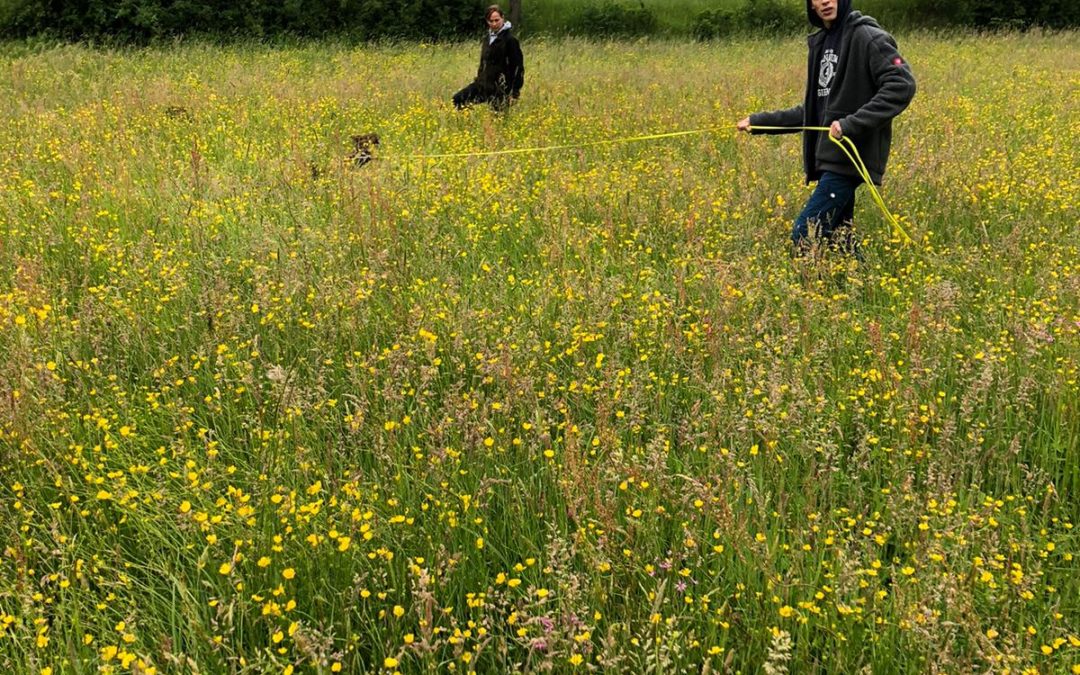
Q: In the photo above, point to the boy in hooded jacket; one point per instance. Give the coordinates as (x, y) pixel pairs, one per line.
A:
(857, 82)
(502, 67)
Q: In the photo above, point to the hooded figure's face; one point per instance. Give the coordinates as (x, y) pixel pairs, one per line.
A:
(495, 21)
(827, 12)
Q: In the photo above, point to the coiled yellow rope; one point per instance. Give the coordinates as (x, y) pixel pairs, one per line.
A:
(848, 146)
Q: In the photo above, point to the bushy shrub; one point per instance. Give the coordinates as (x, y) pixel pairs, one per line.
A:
(772, 16)
(1015, 13)
(716, 23)
(779, 17)
(753, 16)
(1019, 14)
(614, 19)
(141, 20)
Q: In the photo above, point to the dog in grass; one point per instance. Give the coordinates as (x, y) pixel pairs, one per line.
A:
(363, 149)
(362, 154)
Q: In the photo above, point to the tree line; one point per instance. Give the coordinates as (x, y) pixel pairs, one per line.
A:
(138, 21)
(145, 20)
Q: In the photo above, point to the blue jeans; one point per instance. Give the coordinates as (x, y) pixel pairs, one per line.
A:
(830, 207)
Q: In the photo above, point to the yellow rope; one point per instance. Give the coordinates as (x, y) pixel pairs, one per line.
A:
(845, 144)
(548, 148)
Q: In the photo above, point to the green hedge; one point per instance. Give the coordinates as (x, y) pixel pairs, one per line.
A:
(776, 16)
(786, 17)
(1008, 13)
(613, 19)
(144, 20)
(753, 16)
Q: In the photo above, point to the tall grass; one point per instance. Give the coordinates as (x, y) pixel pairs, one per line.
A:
(566, 411)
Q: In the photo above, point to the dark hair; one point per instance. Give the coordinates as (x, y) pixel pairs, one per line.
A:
(491, 10)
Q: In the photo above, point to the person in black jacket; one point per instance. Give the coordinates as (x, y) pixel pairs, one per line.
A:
(502, 67)
(857, 82)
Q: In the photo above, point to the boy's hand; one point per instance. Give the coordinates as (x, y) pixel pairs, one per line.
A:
(743, 124)
(835, 131)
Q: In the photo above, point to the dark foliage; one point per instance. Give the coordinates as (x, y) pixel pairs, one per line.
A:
(777, 16)
(615, 20)
(772, 16)
(139, 21)
(1009, 13)
(753, 16)
(145, 20)
(717, 23)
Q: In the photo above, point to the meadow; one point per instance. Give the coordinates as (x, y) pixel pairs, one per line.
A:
(263, 411)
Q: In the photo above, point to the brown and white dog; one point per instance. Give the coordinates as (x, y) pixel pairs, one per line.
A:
(363, 149)
(362, 153)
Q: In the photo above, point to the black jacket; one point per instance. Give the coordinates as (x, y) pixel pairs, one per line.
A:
(502, 66)
(873, 84)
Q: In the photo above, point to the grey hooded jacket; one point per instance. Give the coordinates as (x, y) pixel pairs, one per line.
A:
(873, 84)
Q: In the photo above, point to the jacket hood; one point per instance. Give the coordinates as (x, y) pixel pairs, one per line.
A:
(843, 8)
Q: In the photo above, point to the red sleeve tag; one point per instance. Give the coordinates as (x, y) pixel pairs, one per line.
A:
(898, 61)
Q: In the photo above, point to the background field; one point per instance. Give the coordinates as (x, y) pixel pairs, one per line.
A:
(261, 411)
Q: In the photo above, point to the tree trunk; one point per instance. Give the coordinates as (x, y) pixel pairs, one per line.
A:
(515, 13)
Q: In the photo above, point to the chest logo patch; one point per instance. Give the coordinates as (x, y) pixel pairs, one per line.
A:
(826, 72)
